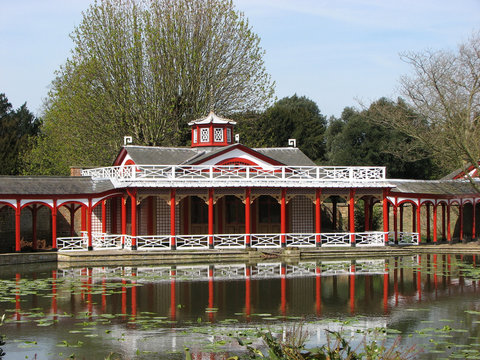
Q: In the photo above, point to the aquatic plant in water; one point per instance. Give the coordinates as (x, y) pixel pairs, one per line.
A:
(2, 338)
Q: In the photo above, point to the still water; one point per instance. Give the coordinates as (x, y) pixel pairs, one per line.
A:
(150, 312)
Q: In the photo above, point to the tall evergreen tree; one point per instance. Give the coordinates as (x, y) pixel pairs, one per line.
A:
(16, 129)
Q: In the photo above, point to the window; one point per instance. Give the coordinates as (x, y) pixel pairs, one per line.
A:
(229, 135)
(194, 136)
(218, 135)
(204, 135)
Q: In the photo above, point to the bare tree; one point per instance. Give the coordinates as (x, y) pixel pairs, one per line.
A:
(444, 93)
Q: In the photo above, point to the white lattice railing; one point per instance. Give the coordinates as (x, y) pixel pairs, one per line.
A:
(71, 243)
(228, 241)
(157, 242)
(106, 241)
(219, 173)
(265, 240)
(188, 242)
(370, 239)
(404, 238)
(336, 239)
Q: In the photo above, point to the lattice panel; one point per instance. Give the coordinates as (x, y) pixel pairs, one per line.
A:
(163, 217)
(204, 135)
(229, 135)
(218, 135)
(97, 219)
(142, 219)
(303, 216)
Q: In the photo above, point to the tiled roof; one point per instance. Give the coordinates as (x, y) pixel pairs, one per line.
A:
(289, 156)
(433, 187)
(52, 185)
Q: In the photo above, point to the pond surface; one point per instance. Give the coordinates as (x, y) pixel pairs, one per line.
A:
(154, 312)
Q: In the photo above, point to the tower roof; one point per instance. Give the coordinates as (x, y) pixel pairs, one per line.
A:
(212, 118)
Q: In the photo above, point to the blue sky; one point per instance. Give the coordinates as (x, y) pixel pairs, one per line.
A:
(335, 52)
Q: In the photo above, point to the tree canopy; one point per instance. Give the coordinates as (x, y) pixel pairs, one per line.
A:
(16, 128)
(146, 68)
(444, 91)
(294, 117)
(356, 140)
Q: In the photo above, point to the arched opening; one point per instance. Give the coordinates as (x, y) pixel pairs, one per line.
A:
(268, 215)
(7, 228)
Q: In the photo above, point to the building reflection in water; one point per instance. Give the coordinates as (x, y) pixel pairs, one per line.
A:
(249, 293)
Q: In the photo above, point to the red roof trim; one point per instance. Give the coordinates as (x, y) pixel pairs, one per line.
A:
(245, 149)
(121, 155)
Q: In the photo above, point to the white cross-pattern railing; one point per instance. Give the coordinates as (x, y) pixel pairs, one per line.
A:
(301, 240)
(229, 241)
(265, 240)
(370, 239)
(157, 242)
(76, 243)
(106, 241)
(336, 239)
(404, 238)
(219, 173)
(189, 242)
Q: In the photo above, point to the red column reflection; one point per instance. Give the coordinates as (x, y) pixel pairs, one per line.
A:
(283, 284)
(173, 305)
(318, 290)
(248, 309)
(352, 288)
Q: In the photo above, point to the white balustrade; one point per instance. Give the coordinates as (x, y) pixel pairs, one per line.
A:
(71, 243)
(404, 238)
(265, 240)
(300, 240)
(153, 242)
(106, 241)
(370, 239)
(232, 241)
(188, 242)
(225, 173)
(336, 239)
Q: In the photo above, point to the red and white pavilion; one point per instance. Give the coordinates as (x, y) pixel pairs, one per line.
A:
(220, 194)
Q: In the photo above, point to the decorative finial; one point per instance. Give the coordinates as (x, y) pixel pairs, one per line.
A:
(292, 142)
(127, 140)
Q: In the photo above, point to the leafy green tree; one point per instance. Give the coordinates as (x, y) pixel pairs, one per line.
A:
(146, 68)
(291, 117)
(355, 140)
(16, 128)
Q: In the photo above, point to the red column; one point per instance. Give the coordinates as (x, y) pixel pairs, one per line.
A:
(18, 210)
(385, 214)
(449, 232)
(54, 225)
(173, 244)
(414, 218)
(247, 216)
(474, 210)
(34, 226)
(133, 209)
(89, 225)
(444, 237)
(318, 216)
(461, 219)
(419, 224)
(435, 237)
(104, 217)
(395, 223)
(123, 207)
(283, 217)
(351, 216)
(428, 222)
(210, 218)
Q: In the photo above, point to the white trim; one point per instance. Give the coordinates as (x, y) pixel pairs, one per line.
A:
(44, 201)
(63, 201)
(11, 202)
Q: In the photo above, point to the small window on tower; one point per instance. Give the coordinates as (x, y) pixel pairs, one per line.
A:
(229, 135)
(204, 135)
(194, 136)
(218, 135)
